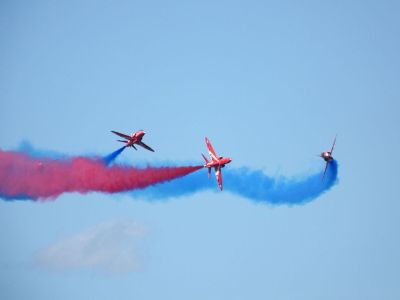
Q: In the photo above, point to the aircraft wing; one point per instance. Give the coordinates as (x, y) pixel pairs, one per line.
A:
(145, 146)
(125, 136)
(333, 145)
(326, 168)
(218, 174)
(211, 150)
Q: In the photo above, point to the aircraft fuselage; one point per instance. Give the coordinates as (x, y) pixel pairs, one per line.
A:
(327, 156)
(135, 137)
(221, 162)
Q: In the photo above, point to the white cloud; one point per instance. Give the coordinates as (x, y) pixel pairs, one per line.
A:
(108, 247)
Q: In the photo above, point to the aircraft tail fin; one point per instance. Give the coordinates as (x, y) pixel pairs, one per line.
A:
(209, 169)
(205, 158)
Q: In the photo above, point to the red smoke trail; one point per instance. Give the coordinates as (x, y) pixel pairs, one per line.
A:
(22, 176)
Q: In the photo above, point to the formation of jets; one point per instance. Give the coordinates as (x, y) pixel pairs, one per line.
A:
(216, 162)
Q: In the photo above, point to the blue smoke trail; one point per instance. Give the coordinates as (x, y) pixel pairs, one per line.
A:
(26, 147)
(111, 157)
(254, 185)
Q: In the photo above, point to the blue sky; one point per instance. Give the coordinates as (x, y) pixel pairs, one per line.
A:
(269, 82)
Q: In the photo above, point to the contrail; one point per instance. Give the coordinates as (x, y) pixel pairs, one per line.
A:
(37, 175)
(251, 184)
(25, 177)
(111, 157)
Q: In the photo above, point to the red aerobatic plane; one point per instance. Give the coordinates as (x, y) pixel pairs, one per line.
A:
(135, 138)
(327, 156)
(217, 162)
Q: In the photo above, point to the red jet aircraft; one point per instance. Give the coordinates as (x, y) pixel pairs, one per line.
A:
(217, 162)
(327, 156)
(135, 138)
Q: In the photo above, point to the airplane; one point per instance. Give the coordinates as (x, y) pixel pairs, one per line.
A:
(131, 140)
(217, 162)
(327, 156)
